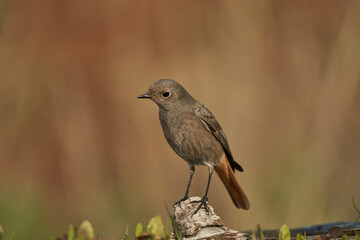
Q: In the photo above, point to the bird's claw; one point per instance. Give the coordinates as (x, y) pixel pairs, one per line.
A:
(180, 201)
(203, 202)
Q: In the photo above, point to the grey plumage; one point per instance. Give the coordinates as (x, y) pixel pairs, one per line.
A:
(195, 135)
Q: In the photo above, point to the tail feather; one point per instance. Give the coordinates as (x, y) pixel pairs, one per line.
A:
(227, 176)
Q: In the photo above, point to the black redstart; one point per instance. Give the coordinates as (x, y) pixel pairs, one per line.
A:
(195, 135)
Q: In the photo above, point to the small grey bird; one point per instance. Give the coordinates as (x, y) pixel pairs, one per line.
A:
(195, 135)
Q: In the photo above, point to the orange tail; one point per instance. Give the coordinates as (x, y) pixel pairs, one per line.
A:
(227, 176)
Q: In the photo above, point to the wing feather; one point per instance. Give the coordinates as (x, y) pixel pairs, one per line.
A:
(212, 125)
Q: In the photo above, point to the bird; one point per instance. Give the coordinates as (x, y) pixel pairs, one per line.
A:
(195, 135)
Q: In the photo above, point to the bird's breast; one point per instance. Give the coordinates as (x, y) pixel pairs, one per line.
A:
(189, 138)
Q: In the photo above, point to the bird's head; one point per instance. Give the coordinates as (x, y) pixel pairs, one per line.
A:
(167, 93)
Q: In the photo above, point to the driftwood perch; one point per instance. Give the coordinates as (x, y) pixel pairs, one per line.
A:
(201, 225)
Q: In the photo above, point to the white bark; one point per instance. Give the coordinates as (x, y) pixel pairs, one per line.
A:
(201, 225)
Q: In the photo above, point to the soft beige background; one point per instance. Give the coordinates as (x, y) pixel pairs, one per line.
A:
(282, 78)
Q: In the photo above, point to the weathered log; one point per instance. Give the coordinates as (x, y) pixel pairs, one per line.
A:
(208, 225)
(203, 224)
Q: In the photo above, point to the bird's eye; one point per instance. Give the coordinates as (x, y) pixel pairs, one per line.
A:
(165, 94)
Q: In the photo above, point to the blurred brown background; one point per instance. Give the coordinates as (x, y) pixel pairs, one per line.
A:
(282, 77)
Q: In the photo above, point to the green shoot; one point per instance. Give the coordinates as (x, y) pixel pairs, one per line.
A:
(71, 233)
(86, 231)
(299, 236)
(156, 228)
(284, 233)
(357, 210)
(126, 232)
(138, 230)
(260, 232)
(174, 225)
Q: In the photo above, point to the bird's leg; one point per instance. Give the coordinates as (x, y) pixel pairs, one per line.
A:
(192, 170)
(204, 199)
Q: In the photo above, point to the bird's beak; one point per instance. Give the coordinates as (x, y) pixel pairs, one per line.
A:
(145, 95)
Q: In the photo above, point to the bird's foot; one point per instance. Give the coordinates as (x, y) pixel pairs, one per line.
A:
(181, 200)
(203, 202)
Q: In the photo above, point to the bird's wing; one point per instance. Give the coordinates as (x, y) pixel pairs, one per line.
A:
(212, 125)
